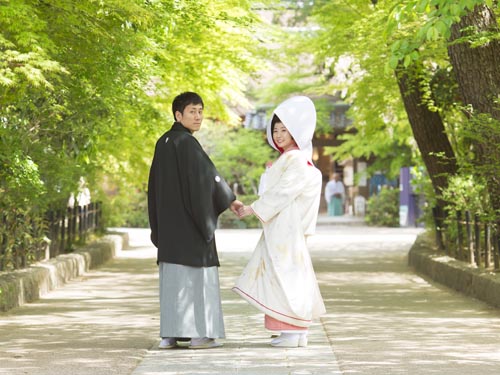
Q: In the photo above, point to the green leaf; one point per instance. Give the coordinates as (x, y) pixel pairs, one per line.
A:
(393, 62)
(442, 28)
(422, 6)
(407, 61)
(432, 33)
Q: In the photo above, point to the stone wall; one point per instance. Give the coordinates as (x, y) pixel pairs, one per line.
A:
(28, 285)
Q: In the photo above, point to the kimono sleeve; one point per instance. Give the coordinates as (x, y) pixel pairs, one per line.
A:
(205, 194)
(152, 211)
(279, 195)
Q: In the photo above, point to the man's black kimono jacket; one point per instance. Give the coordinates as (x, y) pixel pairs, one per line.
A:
(185, 197)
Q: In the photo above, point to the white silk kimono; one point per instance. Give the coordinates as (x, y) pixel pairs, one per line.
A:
(279, 278)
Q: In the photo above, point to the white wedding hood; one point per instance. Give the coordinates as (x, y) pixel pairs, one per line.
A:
(298, 114)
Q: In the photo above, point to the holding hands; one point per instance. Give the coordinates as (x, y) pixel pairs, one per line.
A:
(245, 211)
(240, 210)
(235, 206)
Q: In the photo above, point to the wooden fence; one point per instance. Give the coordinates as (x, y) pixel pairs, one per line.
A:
(469, 238)
(71, 226)
(63, 230)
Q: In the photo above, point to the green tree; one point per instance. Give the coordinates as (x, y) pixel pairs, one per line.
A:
(350, 60)
(474, 49)
(396, 63)
(470, 33)
(86, 88)
(240, 155)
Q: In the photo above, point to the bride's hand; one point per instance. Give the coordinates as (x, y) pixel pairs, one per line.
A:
(245, 211)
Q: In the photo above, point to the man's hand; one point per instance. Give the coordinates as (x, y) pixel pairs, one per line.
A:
(235, 206)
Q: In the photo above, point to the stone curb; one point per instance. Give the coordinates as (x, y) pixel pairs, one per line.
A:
(470, 280)
(28, 285)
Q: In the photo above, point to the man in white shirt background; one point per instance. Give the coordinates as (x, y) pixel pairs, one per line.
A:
(335, 195)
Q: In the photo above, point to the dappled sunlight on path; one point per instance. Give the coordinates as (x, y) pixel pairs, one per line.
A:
(383, 319)
(101, 323)
(246, 349)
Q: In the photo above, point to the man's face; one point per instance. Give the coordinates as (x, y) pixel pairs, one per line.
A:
(191, 118)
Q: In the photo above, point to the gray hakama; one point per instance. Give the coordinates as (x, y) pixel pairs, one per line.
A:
(190, 304)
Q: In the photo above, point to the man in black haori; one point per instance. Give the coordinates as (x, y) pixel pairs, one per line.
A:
(186, 195)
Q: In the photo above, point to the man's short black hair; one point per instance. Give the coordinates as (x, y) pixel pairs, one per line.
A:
(181, 101)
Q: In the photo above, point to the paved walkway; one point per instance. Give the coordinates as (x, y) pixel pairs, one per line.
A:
(382, 318)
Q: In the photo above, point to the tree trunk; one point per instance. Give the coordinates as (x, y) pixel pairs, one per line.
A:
(428, 131)
(477, 71)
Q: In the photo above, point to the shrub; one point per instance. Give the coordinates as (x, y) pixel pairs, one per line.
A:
(127, 210)
(383, 209)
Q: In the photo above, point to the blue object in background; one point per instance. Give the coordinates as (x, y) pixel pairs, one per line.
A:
(407, 200)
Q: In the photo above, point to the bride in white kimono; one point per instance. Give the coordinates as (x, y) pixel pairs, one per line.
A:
(279, 279)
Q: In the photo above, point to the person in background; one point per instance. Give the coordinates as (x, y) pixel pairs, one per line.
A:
(334, 196)
(186, 195)
(279, 279)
